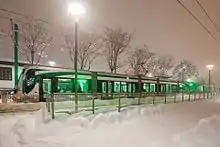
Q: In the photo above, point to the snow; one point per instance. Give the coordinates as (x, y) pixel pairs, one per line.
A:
(188, 124)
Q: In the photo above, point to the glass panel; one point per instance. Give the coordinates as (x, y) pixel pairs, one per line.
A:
(167, 88)
(124, 87)
(129, 87)
(134, 87)
(116, 86)
(163, 88)
(83, 86)
(104, 87)
(152, 87)
(65, 85)
(146, 87)
(109, 87)
(47, 86)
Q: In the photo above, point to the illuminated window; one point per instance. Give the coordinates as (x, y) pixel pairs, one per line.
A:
(163, 87)
(134, 88)
(109, 87)
(124, 87)
(152, 88)
(116, 86)
(104, 87)
(83, 85)
(167, 88)
(129, 87)
(47, 86)
(146, 87)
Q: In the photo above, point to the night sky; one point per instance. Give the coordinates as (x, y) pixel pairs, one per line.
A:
(162, 24)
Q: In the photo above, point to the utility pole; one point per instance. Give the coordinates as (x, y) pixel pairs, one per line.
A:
(209, 82)
(75, 66)
(15, 41)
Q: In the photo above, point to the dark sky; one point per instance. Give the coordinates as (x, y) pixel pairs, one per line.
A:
(162, 24)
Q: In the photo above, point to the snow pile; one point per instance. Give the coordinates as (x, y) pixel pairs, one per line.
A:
(205, 134)
(174, 125)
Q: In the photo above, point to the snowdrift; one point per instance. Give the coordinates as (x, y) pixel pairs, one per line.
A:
(173, 125)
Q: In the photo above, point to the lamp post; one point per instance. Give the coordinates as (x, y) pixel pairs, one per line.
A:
(210, 67)
(182, 79)
(76, 10)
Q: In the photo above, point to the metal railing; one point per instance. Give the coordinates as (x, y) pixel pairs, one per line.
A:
(96, 103)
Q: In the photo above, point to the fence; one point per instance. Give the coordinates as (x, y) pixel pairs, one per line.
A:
(88, 103)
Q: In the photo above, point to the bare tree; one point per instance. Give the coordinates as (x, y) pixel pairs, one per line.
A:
(34, 40)
(162, 66)
(88, 48)
(116, 42)
(185, 70)
(141, 61)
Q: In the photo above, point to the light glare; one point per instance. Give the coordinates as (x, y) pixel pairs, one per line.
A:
(76, 9)
(210, 67)
(52, 63)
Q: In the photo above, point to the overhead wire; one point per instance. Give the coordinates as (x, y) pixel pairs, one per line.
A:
(203, 26)
(207, 14)
(16, 13)
(22, 15)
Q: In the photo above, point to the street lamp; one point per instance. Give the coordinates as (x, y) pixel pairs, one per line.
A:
(76, 10)
(210, 67)
(52, 63)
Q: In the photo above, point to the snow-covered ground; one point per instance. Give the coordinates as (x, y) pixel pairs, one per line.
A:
(194, 124)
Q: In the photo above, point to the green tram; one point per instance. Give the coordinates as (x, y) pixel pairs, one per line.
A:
(47, 80)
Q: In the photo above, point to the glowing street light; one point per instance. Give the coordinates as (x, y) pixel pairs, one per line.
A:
(189, 80)
(76, 10)
(210, 67)
(52, 63)
(150, 75)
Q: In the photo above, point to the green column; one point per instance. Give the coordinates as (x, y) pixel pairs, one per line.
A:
(15, 37)
(94, 89)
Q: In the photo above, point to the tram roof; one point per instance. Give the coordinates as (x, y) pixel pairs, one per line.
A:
(71, 74)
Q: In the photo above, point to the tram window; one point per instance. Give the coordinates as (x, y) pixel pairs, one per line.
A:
(146, 87)
(109, 87)
(116, 86)
(104, 87)
(174, 88)
(163, 87)
(47, 86)
(134, 87)
(168, 88)
(152, 87)
(65, 85)
(129, 87)
(124, 87)
(83, 85)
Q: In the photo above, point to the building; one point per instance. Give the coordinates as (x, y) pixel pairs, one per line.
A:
(7, 73)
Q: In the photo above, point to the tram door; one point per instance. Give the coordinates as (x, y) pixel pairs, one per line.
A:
(109, 88)
(46, 86)
(131, 89)
(106, 88)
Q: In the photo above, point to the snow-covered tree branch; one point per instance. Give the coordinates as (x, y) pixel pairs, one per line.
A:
(34, 41)
(88, 48)
(116, 43)
(185, 70)
(141, 61)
